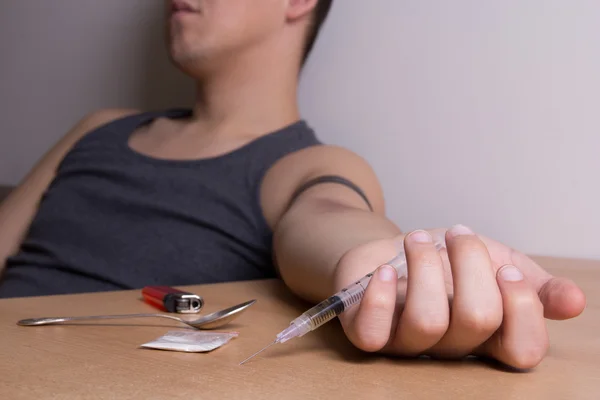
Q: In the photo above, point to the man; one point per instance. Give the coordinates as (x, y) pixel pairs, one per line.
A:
(240, 188)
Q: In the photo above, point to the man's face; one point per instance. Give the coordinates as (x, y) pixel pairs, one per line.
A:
(202, 30)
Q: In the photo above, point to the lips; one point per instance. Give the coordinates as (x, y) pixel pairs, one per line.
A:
(183, 6)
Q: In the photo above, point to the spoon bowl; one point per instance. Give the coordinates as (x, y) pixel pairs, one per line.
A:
(221, 317)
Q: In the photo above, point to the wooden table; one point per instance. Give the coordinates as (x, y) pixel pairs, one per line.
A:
(100, 360)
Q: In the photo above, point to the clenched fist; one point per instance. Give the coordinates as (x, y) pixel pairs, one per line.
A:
(476, 297)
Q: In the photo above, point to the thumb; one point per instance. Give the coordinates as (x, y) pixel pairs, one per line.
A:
(522, 340)
(369, 326)
(562, 299)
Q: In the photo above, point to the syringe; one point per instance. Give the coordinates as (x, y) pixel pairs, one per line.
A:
(335, 305)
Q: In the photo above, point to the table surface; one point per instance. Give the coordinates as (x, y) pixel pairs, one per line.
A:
(103, 359)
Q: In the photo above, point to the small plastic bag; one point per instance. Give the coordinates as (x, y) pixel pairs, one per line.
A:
(191, 341)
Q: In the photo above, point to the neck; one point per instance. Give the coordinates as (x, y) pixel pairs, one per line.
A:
(247, 98)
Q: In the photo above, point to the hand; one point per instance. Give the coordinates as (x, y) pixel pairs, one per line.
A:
(498, 299)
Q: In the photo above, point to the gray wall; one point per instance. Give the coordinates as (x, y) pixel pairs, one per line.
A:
(479, 112)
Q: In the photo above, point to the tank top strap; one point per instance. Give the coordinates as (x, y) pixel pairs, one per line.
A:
(119, 130)
(269, 150)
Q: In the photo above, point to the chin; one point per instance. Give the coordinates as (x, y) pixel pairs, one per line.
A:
(180, 51)
(190, 63)
(183, 61)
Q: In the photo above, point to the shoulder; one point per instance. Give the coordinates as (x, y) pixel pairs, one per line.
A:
(327, 157)
(296, 169)
(85, 125)
(101, 117)
(315, 161)
(41, 175)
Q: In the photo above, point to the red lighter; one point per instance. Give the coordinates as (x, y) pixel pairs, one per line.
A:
(172, 300)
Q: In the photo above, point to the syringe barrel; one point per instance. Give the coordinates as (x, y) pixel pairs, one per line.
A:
(333, 306)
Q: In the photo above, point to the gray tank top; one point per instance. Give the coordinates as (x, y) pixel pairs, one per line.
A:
(115, 219)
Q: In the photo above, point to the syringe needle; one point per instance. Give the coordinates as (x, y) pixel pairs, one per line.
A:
(258, 352)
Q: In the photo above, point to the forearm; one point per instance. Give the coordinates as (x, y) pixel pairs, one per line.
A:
(308, 245)
(16, 212)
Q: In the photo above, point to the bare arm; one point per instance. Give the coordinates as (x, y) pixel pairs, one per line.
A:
(324, 222)
(327, 239)
(19, 208)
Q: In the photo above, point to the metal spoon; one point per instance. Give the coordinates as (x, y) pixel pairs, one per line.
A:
(210, 321)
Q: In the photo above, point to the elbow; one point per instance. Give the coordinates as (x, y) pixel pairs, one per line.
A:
(289, 261)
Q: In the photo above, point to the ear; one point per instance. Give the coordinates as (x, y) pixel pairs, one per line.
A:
(297, 9)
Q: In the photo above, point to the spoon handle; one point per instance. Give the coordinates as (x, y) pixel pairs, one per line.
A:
(56, 320)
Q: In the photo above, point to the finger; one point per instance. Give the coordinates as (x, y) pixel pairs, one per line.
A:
(425, 318)
(562, 298)
(522, 341)
(369, 328)
(476, 311)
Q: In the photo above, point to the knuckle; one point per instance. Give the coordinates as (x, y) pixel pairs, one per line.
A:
(526, 301)
(468, 248)
(430, 326)
(371, 327)
(529, 357)
(428, 260)
(378, 302)
(482, 320)
(369, 338)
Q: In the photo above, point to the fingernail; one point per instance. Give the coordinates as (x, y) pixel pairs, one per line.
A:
(459, 230)
(420, 237)
(510, 273)
(386, 273)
